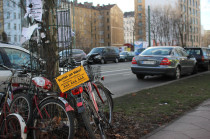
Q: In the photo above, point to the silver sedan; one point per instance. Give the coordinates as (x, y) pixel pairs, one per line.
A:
(163, 60)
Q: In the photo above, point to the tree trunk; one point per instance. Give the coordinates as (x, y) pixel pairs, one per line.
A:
(50, 48)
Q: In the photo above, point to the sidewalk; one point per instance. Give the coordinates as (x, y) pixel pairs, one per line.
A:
(193, 125)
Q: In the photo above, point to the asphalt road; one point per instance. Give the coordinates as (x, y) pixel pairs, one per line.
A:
(120, 80)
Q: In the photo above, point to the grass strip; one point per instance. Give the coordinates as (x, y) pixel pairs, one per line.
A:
(148, 109)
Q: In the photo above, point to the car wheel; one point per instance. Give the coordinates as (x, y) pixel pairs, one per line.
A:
(140, 76)
(177, 73)
(102, 61)
(116, 60)
(208, 67)
(195, 69)
(125, 60)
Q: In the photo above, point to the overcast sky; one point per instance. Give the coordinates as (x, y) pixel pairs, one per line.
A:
(128, 5)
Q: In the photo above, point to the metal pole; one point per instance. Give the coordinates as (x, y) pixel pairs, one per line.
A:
(74, 41)
(149, 26)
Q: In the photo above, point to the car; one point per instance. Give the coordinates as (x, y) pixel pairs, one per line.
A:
(126, 56)
(77, 54)
(105, 54)
(138, 51)
(164, 60)
(202, 55)
(12, 56)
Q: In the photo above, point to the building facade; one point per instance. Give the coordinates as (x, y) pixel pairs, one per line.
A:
(97, 26)
(189, 14)
(129, 27)
(12, 21)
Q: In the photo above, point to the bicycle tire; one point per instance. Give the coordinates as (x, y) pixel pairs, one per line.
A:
(54, 126)
(13, 128)
(106, 104)
(22, 104)
(91, 119)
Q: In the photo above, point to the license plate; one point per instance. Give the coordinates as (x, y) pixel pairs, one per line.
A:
(148, 62)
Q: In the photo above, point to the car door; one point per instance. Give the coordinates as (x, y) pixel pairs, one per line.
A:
(182, 60)
(189, 61)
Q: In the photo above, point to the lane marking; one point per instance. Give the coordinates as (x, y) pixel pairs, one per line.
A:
(116, 74)
(115, 70)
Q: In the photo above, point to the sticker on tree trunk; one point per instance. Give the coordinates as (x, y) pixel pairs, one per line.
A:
(72, 79)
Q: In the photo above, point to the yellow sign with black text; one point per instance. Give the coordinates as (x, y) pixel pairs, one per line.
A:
(72, 79)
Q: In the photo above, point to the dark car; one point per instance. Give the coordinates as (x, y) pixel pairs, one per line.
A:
(126, 56)
(105, 54)
(77, 54)
(138, 51)
(163, 60)
(202, 56)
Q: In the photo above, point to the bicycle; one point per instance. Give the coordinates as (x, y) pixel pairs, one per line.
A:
(12, 125)
(93, 96)
(46, 114)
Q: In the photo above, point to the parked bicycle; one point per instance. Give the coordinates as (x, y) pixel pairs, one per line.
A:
(46, 114)
(12, 125)
(95, 103)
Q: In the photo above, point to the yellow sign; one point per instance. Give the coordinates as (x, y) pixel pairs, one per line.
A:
(72, 79)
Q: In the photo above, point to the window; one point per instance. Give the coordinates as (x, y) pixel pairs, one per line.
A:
(107, 20)
(140, 24)
(140, 16)
(14, 4)
(14, 15)
(8, 15)
(8, 25)
(139, 7)
(15, 26)
(140, 32)
(8, 3)
(107, 27)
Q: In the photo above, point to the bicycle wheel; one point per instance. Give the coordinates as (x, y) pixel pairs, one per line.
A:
(11, 129)
(22, 105)
(105, 103)
(52, 121)
(91, 119)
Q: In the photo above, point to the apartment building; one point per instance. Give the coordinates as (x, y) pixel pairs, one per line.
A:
(12, 21)
(129, 27)
(190, 14)
(96, 26)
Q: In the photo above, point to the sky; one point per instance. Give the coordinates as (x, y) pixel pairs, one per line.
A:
(128, 5)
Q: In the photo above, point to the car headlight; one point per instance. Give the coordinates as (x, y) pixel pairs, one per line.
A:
(98, 57)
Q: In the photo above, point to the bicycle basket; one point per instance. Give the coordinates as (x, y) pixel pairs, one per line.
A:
(93, 72)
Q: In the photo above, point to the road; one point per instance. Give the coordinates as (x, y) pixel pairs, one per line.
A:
(120, 80)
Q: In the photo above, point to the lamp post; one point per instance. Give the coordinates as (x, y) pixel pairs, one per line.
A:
(74, 41)
(149, 39)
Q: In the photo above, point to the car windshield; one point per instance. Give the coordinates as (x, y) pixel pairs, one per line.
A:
(157, 51)
(193, 51)
(123, 53)
(96, 50)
